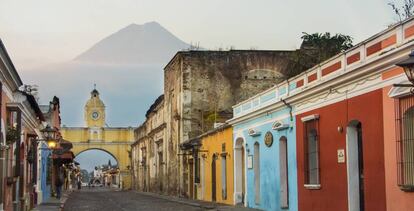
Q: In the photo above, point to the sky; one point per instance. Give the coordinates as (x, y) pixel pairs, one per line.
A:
(47, 31)
(41, 35)
(89, 159)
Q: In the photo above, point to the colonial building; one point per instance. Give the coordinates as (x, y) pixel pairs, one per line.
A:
(352, 131)
(149, 151)
(210, 163)
(265, 154)
(21, 121)
(44, 186)
(96, 135)
(200, 88)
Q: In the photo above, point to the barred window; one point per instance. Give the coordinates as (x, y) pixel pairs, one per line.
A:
(311, 149)
(405, 142)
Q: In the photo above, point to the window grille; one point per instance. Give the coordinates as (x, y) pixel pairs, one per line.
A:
(311, 149)
(405, 142)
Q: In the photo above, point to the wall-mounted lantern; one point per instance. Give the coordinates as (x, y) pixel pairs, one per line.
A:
(50, 135)
(408, 66)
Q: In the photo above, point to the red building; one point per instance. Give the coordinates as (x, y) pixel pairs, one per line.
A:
(349, 141)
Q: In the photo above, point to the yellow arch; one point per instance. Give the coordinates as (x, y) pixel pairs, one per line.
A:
(115, 141)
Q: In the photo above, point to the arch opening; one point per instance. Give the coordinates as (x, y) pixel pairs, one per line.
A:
(239, 168)
(98, 167)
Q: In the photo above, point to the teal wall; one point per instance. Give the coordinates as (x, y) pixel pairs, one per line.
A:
(269, 160)
(45, 187)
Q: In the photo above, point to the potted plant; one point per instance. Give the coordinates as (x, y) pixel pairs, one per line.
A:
(11, 135)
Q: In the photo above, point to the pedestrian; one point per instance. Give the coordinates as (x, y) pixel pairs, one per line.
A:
(79, 180)
(59, 182)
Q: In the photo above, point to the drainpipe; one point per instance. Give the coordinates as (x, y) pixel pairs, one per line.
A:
(290, 109)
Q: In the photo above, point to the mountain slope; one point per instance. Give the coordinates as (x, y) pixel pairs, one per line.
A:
(149, 43)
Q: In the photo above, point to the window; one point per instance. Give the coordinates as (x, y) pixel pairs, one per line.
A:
(283, 165)
(223, 177)
(311, 150)
(405, 142)
(256, 166)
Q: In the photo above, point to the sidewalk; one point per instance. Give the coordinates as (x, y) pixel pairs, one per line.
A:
(53, 203)
(205, 205)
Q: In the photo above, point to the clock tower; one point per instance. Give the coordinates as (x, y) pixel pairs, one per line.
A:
(95, 111)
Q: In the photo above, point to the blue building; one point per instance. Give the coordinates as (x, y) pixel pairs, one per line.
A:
(45, 173)
(265, 152)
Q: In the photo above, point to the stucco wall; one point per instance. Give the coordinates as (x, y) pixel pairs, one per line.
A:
(367, 109)
(45, 187)
(269, 160)
(200, 88)
(396, 198)
(213, 145)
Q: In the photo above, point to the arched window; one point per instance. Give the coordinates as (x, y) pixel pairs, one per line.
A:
(405, 142)
(283, 170)
(256, 166)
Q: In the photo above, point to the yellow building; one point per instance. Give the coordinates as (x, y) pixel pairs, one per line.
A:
(210, 165)
(113, 140)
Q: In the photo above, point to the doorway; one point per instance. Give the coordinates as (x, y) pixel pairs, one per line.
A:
(239, 172)
(191, 178)
(213, 178)
(355, 166)
(283, 172)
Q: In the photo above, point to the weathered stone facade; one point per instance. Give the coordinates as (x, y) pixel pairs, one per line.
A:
(149, 153)
(200, 88)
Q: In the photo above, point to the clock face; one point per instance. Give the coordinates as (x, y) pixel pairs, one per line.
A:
(95, 115)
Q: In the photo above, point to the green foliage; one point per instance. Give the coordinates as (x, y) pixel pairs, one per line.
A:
(11, 135)
(316, 48)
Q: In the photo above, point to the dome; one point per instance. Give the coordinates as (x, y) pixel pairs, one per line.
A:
(94, 93)
(94, 101)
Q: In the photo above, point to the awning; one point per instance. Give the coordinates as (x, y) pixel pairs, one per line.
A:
(190, 144)
(66, 145)
(64, 156)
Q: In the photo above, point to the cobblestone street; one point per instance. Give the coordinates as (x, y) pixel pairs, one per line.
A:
(103, 199)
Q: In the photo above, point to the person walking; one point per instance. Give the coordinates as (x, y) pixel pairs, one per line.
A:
(79, 181)
(59, 182)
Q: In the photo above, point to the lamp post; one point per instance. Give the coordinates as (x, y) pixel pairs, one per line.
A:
(408, 66)
(50, 135)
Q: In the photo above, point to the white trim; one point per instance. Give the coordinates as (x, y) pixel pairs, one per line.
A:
(282, 126)
(235, 168)
(258, 124)
(373, 85)
(312, 186)
(310, 117)
(352, 168)
(254, 132)
(370, 66)
(398, 92)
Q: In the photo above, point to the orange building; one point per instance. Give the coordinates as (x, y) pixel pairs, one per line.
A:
(398, 112)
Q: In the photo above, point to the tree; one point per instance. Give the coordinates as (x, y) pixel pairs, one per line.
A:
(403, 10)
(316, 48)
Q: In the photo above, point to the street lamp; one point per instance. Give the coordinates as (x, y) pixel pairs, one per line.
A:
(408, 66)
(50, 135)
